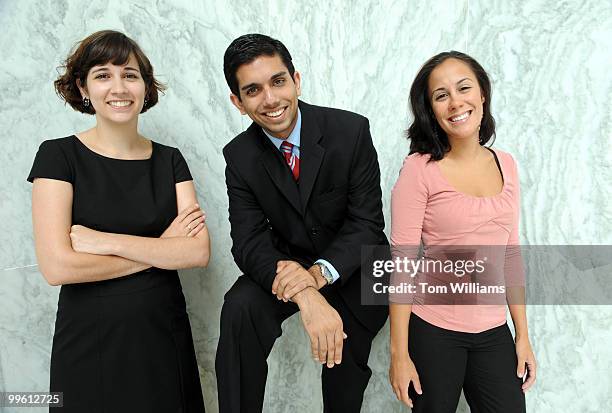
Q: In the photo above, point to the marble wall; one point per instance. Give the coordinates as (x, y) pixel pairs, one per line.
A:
(548, 61)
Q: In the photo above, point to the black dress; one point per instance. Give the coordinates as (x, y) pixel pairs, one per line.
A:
(122, 345)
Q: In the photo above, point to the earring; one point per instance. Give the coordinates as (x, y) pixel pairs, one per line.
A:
(86, 102)
(145, 103)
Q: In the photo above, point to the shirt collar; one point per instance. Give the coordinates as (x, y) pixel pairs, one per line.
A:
(294, 136)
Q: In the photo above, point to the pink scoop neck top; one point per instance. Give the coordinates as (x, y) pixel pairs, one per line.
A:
(426, 208)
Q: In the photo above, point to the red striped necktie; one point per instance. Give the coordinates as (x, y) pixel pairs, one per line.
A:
(292, 160)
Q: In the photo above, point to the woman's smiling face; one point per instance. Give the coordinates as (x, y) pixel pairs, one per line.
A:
(456, 99)
(116, 93)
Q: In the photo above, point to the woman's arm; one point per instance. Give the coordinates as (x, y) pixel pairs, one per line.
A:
(515, 295)
(173, 252)
(399, 318)
(401, 370)
(408, 202)
(526, 366)
(57, 261)
(519, 319)
(515, 298)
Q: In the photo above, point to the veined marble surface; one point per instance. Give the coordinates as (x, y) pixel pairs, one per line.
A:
(549, 64)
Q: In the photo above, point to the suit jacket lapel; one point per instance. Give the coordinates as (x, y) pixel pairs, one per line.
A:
(311, 153)
(278, 170)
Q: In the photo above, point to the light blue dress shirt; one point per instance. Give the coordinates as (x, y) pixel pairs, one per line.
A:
(294, 138)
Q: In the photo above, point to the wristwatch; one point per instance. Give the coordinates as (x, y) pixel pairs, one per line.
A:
(326, 273)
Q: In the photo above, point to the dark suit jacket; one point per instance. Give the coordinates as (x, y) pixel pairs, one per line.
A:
(334, 209)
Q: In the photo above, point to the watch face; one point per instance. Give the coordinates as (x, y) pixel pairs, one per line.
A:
(326, 273)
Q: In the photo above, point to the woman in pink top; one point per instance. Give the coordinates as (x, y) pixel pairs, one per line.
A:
(454, 191)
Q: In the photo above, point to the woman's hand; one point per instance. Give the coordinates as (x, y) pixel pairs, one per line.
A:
(90, 241)
(401, 372)
(526, 368)
(188, 223)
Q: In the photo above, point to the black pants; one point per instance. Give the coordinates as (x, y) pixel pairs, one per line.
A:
(483, 364)
(251, 321)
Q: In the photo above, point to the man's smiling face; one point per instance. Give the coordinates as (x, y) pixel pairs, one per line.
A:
(268, 94)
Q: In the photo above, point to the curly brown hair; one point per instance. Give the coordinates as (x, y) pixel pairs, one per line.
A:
(97, 49)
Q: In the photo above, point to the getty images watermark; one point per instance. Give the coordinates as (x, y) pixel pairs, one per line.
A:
(413, 267)
(487, 274)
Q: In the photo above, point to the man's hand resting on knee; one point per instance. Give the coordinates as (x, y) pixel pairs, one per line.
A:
(323, 325)
(321, 321)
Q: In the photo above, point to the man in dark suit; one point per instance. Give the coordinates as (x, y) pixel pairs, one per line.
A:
(304, 196)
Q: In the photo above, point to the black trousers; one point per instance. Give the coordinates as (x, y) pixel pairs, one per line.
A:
(483, 364)
(251, 321)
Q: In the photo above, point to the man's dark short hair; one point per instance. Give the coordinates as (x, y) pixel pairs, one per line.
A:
(247, 48)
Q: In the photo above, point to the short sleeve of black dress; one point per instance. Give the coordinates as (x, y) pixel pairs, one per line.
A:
(181, 170)
(51, 162)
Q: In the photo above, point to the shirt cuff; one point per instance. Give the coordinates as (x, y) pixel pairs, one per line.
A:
(330, 267)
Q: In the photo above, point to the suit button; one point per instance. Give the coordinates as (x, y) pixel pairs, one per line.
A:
(314, 231)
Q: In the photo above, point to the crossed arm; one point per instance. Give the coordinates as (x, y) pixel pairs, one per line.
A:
(75, 254)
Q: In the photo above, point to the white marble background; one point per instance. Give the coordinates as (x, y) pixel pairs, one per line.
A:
(549, 62)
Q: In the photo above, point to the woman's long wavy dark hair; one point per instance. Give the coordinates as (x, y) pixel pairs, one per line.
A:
(425, 134)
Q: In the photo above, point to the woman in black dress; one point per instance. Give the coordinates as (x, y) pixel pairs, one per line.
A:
(107, 226)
